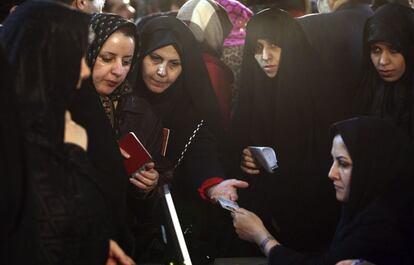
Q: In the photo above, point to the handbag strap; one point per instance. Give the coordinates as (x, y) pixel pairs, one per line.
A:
(187, 145)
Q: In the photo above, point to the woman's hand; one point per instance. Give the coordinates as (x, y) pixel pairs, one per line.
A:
(117, 256)
(74, 133)
(248, 163)
(226, 189)
(249, 227)
(146, 179)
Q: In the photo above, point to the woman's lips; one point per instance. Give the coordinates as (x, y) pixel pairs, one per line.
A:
(112, 83)
(386, 73)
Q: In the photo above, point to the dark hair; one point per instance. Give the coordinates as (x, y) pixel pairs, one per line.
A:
(45, 42)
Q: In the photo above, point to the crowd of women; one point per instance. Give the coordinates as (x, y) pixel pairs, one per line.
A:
(73, 84)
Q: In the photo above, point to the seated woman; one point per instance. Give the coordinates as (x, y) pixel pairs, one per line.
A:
(388, 81)
(46, 45)
(282, 104)
(372, 167)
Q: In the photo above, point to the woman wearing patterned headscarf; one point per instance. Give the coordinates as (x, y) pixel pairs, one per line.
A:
(111, 56)
(210, 25)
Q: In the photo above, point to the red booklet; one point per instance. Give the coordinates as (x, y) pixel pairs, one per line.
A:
(139, 156)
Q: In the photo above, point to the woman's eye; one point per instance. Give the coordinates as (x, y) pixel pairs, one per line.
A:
(155, 58)
(375, 50)
(394, 51)
(106, 59)
(343, 164)
(126, 62)
(175, 64)
(258, 49)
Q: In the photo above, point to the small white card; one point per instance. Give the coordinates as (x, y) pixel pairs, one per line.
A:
(228, 204)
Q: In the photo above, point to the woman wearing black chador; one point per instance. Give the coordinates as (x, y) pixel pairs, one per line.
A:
(279, 106)
(371, 173)
(387, 86)
(46, 45)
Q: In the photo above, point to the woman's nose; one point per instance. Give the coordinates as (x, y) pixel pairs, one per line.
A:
(333, 172)
(162, 69)
(266, 55)
(117, 68)
(384, 59)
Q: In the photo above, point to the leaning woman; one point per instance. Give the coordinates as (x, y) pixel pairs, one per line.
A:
(371, 173)
(68, 203)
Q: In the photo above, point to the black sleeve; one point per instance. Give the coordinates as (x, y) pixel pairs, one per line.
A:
(202, 159)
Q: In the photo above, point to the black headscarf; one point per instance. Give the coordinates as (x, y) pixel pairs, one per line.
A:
(379, 157)
(280, 112)
(393, 24)
(191, 98)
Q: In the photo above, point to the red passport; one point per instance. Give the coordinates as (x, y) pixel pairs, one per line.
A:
(139, 156)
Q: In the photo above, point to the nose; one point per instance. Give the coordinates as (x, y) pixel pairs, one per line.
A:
(384, 58)
(266, 55)
(117, 68)
(333, 172)
(162, 69)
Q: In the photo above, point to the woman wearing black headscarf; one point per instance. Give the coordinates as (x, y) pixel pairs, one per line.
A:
(173, 79)
(388, 82)
(280, 106)
(69, 207)
(372, 175)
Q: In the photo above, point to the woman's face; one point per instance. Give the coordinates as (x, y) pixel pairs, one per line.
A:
(161, 68)
(390, 64)
(113, 63)
(85, 72)
(267, 56)
(341, 169)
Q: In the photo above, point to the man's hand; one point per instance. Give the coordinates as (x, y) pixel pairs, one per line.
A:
(248, 163)
(146, 179)
(226, 189)
(117, 256)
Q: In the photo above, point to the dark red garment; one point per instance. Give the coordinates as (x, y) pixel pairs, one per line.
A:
(222, 79)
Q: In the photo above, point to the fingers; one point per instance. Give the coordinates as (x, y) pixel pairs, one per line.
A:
(247, 152)
(124, 153)
(249, 171)
(145, 180)
(117, 255)
(68, 116)
(248, 164)
(149, 166)
(241, 184)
